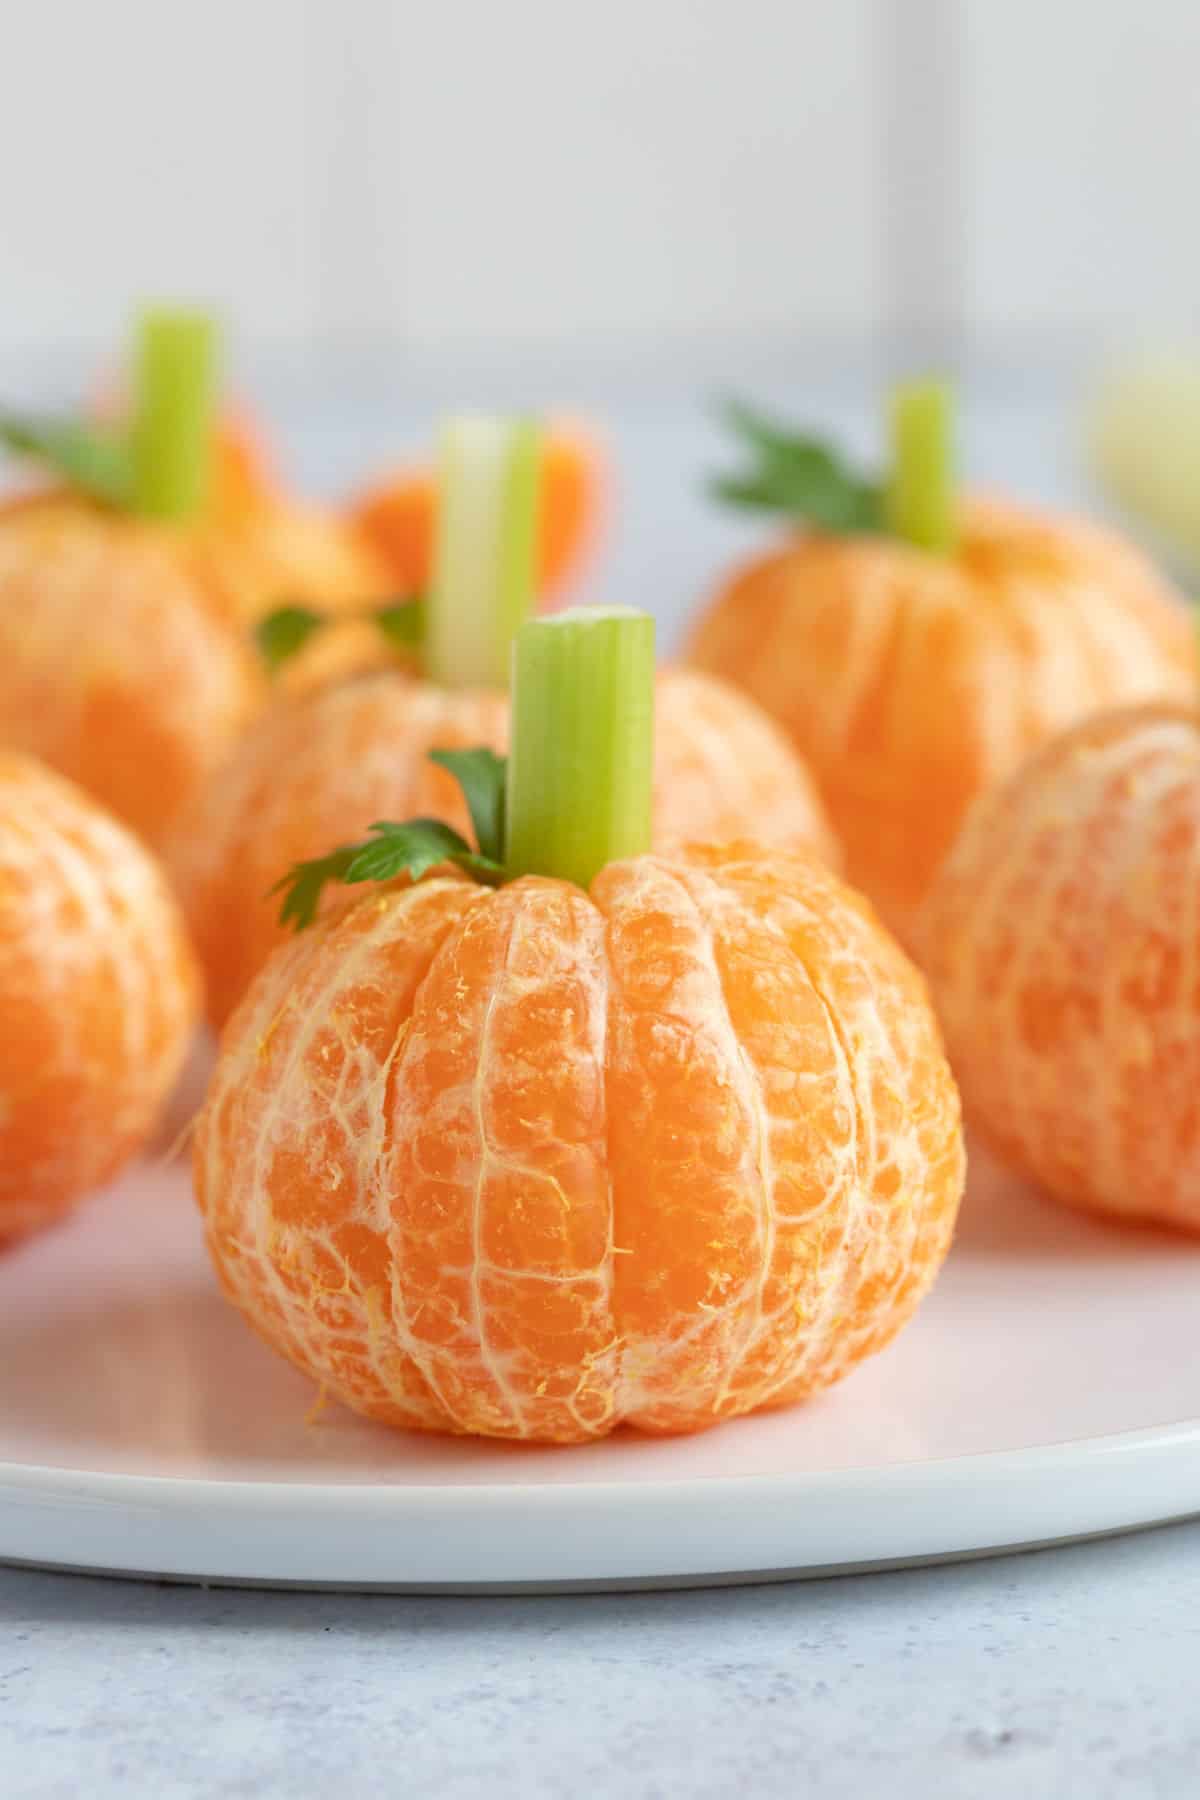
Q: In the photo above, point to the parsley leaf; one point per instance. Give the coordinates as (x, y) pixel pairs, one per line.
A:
(95, 461)
(483, 778)
(402, 622)
(410, 849)
(798, 476)
(413, 849)
(304, 882)
(284, 632)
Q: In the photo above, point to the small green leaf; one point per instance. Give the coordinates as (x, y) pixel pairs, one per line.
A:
(303, 884)
(416, 847)
(95, 461)
(285, 632)
(412, 849)
(402, 622)
(483, 778)
(762, 435)
(798, 476)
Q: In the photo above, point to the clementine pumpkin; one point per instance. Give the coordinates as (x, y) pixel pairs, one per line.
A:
(287, 551)
(1062, 943)
(912, 678)
(125, 593)
(538, 1162)
(117, 665)
(98, 995)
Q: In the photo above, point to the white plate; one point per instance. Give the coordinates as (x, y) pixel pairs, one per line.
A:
(1050, 1388)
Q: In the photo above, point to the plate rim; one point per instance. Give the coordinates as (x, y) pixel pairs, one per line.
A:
(168, 1491)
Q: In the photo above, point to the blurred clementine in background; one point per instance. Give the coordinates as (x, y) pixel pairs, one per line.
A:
(99, 989)
(117, 664)
(723, 769)
(307, 775)
(129, 578)
(288, 552)
(1062, 942)
(913, 675)
(397, 515)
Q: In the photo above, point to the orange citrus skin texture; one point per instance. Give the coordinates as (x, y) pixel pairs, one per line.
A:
(311, 775)
(341, 649)
(911, 683)
(1062, 942)
(98, 995)
(254, 559)
(290, 553)
(320, 771)
(723, 767)
(245, 475)
(116, 665)
(533, 1163)
(397, 516)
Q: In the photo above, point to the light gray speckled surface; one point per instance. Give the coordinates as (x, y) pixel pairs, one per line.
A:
(1072, 1674)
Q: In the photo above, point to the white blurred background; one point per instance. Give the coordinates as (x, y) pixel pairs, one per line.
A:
(621, 207)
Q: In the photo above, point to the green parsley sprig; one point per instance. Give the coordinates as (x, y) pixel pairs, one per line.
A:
(798, 475)
(284, 633)
(414, 847)
(808, 481)
(86, 457)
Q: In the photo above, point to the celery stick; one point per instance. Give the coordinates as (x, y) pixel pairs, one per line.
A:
(921, 496)
(484, 557)
(174, 400)
(581, 765)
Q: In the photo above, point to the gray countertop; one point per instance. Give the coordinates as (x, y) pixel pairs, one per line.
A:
(1071, 1673)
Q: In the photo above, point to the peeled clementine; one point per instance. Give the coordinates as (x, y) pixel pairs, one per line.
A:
(98, 995)
(309, 774)
(344, 647)
(326, 767)
(397, 516)
(244, 475)
(117, 665)
(722, 768)
(536, 1162)
(285, 553)
(912, 682)
(1062, 941)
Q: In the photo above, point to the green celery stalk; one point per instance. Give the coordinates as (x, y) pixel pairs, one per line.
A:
(485, 550)
(921, 496)
(175, 369)
(581, 765)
